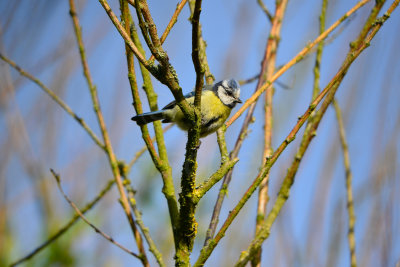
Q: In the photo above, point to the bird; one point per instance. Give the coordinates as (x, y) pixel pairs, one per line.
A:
(217, 101)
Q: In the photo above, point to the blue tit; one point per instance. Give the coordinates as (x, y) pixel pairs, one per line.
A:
(217, 101)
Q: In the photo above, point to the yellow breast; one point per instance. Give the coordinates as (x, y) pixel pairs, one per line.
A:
(213, 114)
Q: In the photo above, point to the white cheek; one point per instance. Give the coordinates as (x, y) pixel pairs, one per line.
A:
(220, 92)
(227, 100)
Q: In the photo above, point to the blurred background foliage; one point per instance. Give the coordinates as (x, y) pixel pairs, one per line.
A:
(35, 135)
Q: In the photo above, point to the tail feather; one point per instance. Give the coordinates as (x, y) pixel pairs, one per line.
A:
(145, 118)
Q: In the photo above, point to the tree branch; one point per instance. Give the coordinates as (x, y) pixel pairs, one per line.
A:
(292, 62)
(283, 193)
(124, 35)
(265, 9)
(196, 54)
(363, 42)
(108, 148)
(53, 96)
(267, 71)
(188, 203)
(165, 73)
(138, 216)
(160, 161)
(349, 191)
(207, 250)
(87, 207)
(202, 189)
(66, 227)
(97, 230)
(171, 23)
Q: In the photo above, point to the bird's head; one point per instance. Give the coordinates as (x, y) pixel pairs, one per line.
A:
(229, 92)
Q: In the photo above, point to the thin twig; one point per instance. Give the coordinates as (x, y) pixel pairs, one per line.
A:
(349, 192)
(173, 20)
(127, 20)
(320, 46)
(53, 96)
(67, 226)
(168, 74)
(108, 147)
(121, 31)
(160, 161)
(163, 165)
(148, 89)
(224, 186)
(144, 26)
(227, 179)
(165, 73)
(243, 133)
(149, 32)
(249, 80)
(97, 230)
(138, 216)
(255, 78)
(265, 9)
(269, 52)
(292, 62)
(87, 207)
(144, 148)
(284, 192)
(213, 179)
(202, 46)
(171, 23)
(222, 144)
(206, 251)
(362, 42)
(267, 72)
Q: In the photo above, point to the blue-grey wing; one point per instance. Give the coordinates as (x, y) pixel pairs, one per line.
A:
(173, 103)
(191, 94)
(170, 105)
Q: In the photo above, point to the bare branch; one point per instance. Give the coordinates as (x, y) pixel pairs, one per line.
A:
(126, 37)
(349, 191)
(292, 62)
(108, 148)
(138, 216)
(97, 230)
(171, 23)
(363, 42)
(267, 71)
(265, 9)
(283, 194)
(62, 104)
(196, 53)
(160, 161)
(213, 179)
(67, 226)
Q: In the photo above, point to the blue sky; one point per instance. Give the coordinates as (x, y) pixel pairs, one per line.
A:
(235, 32)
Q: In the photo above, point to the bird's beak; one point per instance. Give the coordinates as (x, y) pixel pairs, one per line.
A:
(238, 100)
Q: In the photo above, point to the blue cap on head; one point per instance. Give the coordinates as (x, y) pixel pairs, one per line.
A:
(233, 83)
